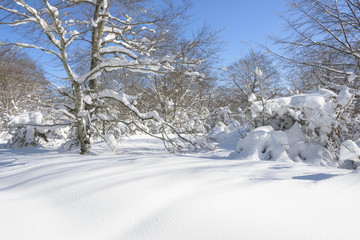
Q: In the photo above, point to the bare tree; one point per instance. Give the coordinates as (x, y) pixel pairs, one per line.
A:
(23, 86)
(323, 40)
(253, 74)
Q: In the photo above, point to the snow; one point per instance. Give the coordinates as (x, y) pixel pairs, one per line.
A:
(121, 127)
(126, 100)
(111, 142)
(194, 74)
(28, 118)
(117, 49)
(110, 37)
(258, 72)
(312, 101)
(318, 113)
(252, 97)
(263, 143)
(351, 77)
(344, 96)
(349, 154)
(301, 149)
(309, 102)
(146, 193)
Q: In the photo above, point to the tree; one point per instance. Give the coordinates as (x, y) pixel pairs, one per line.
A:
(254, 74)
(119, 36)
(323, 40)
(181, 98)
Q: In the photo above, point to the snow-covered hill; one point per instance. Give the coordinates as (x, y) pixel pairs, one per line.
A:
(146, 193)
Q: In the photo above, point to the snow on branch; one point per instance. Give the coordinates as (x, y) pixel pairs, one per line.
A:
(123, 98)
(117, 49)
(92, 2)
(169, 143)
(146, 65)
(26, 45)
(26, 18)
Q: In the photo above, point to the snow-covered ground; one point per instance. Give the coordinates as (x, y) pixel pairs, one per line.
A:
(145, 192)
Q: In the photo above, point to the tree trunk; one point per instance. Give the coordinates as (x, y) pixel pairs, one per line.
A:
(96, 35)
(81, 123)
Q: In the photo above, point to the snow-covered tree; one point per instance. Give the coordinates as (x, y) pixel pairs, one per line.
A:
(119, 34)
(181, 98)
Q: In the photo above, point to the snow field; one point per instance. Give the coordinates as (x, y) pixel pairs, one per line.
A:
(147, 193)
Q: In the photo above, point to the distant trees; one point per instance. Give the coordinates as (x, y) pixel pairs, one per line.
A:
(23, 86)
(253, 77)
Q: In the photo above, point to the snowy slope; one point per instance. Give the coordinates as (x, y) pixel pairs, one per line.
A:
(147, 193)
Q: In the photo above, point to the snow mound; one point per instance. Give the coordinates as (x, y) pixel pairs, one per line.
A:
(227, 136)
(263, 143)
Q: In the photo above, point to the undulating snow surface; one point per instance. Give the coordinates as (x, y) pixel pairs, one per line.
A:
(146, 193)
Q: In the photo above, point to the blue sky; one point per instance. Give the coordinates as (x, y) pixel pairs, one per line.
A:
(249, 21)
(243, 21)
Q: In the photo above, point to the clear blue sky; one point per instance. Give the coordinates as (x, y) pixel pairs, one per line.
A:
(243, 21)
(249, 21)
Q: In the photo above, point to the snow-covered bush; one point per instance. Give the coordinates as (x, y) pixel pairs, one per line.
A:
(34, 128)
(320, 122)
(23, 132)
(263, 143)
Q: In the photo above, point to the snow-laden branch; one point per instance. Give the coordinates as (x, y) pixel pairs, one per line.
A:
(92, 2)
(26, 45)
(26, 18)
(116, 50)
(146, 65)
(124, 99)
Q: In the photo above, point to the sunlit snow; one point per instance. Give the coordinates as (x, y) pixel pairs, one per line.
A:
(145, 192)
